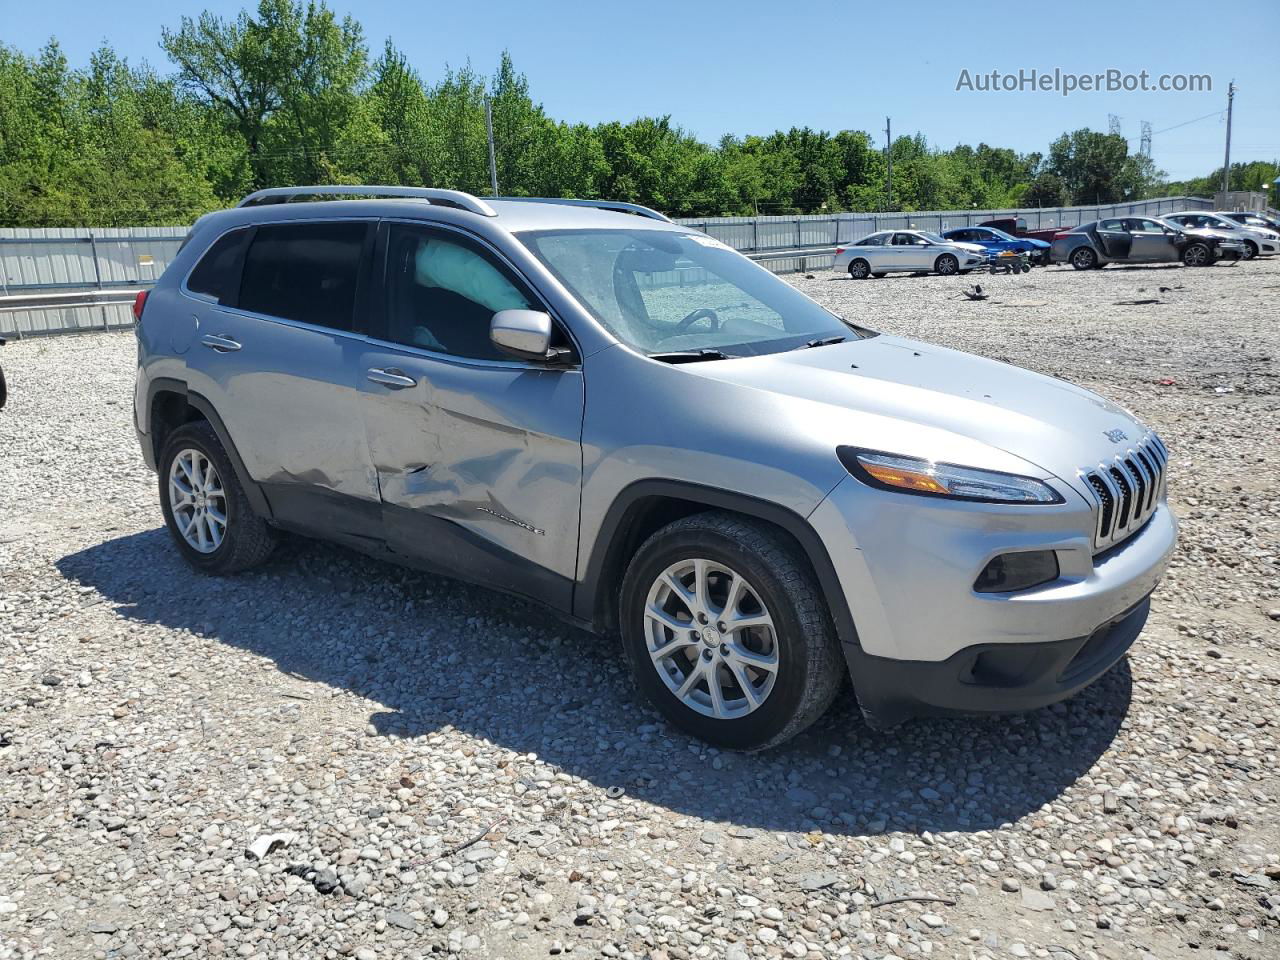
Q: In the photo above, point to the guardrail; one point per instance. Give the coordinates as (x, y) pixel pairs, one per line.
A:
(68, 298)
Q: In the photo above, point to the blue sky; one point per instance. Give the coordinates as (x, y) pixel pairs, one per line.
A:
(752, 66)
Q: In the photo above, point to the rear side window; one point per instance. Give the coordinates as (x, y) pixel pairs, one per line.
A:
(875, 240)
(305, 272)
(217, 275)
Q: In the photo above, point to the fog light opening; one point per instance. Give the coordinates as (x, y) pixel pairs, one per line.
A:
(1010, 572)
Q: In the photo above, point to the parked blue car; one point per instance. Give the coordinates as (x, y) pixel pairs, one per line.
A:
(997, 242)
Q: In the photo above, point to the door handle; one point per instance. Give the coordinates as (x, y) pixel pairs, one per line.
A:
(391, 377)
(221, 344)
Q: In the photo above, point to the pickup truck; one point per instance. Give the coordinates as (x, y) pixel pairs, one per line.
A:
(1017, 227)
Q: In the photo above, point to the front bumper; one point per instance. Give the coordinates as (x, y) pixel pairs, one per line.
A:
(907, 566)
(992, 677)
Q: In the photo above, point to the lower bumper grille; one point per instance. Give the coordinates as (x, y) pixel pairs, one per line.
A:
(1126, 490)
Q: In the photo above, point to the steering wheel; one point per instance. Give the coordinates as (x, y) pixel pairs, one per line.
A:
(699, 314)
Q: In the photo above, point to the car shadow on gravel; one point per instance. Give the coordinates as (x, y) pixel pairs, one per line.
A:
(436, 653)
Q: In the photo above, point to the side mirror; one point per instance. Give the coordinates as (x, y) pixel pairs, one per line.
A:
(525, 334)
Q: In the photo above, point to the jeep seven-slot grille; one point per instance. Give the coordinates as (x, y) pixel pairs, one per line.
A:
(1126, 490)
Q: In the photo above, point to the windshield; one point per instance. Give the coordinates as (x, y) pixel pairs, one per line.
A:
(663, 292)
(933, 237)
(1000, 234)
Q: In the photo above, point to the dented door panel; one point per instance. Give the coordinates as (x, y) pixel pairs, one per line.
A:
(479, 465)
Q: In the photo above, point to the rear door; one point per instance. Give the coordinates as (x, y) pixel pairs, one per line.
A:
(275, 351)
(477, 455)
(1115, 239)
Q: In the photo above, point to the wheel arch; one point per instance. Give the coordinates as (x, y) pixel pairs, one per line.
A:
(170, 404)
(646, 506)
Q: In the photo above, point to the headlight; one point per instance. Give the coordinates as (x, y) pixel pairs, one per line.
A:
(926, 478)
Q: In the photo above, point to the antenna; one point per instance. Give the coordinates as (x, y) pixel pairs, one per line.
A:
(1113, 123)
(1145, 149)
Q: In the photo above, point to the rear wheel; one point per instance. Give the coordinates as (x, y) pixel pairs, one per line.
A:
(727, 631)
(859, 269)
(946, 265)
(1197, 255)
(1083, 258)
(205, 507)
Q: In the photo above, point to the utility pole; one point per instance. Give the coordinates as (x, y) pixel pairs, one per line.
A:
(1226, 163)
(888, 152)
(493, 163)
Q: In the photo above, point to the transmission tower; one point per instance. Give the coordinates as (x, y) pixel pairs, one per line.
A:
(1145, 149)
(1113, 123)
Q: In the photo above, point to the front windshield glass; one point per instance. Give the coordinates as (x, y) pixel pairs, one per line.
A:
(933, 237)
(663, 292)
(1000, 234)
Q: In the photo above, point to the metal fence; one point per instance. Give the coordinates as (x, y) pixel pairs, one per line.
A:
(48, 260)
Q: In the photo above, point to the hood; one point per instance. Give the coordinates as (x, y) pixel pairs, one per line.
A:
(1037, 244)
(1210, 233)
(966, 245)
(913, 398)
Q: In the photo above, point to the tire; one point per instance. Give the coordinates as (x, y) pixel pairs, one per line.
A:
(776, 581)
(859, 269)
(1250, 249)
(946, 265)
(245, 538)
(1197, 255)
(1083, 258)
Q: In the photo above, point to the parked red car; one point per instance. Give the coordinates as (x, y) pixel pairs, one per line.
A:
(1017, 227)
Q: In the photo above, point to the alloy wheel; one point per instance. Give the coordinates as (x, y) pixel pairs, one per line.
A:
(197, 501)
(711, 638)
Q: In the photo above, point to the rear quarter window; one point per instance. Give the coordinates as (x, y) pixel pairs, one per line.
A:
(217, 275)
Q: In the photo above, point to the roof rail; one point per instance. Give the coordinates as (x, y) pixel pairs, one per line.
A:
(448, 198)
(616, 205)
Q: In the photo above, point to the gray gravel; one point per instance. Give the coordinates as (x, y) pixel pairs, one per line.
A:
(426, 769)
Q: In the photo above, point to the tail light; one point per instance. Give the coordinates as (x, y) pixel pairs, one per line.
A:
(1059, 236)
(839, 250)
(139, 302)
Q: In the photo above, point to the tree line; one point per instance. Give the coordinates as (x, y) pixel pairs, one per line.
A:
(290, 93)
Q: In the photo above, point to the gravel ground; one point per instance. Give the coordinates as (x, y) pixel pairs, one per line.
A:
(155, 725)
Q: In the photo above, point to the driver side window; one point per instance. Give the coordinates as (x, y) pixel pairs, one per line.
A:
(442, 293)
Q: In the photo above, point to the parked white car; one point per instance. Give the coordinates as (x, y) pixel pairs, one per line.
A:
(910, 251)
(1258, 241)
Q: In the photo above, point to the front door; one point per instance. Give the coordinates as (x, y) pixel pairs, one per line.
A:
(478, 456)
(1150, 241)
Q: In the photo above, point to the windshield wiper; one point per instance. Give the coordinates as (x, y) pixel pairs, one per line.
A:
(691, 356)
(822, 342)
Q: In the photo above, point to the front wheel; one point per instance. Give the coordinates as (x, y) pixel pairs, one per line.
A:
(1250, 249)
(728, 633)
(946, 265)
(1197, 255)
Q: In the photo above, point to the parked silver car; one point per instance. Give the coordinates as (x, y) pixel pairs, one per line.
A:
(910, 251)
(1258, 241)
(587, 405)
(1141, 240)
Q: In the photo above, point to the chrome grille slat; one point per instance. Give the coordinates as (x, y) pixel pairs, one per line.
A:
(1126, 490)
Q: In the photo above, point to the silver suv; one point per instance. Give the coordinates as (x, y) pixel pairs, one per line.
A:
(585, 404)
